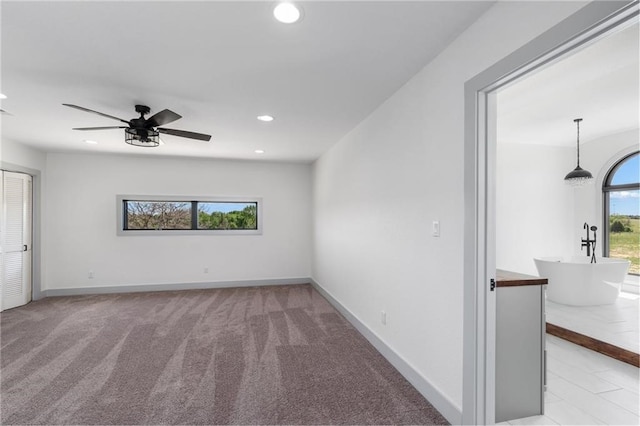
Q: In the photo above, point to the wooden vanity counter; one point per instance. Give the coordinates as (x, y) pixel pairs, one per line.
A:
(512, 279)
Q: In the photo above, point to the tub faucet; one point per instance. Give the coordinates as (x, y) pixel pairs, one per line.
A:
(589, 243)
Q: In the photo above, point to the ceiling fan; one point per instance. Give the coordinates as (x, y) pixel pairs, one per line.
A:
(144, 131)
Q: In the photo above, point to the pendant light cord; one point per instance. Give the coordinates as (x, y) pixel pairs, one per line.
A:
(578, 120)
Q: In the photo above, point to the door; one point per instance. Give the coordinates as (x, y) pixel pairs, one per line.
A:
(15, 239)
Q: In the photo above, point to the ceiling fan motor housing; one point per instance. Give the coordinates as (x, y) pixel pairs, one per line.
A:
(141, 123)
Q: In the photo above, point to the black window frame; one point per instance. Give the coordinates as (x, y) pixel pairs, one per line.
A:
(607, 189)
(124, 200)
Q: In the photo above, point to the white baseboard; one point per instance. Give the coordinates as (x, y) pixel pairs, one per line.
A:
(170, 287)
(445, 406)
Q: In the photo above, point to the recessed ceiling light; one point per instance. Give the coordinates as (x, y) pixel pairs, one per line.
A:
(265, 118)
(90, 142)
(287, 13)
(3, 96)
(259, 151)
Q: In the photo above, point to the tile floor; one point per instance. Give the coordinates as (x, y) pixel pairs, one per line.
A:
(586, 388)
(618, 323)
(583, 386)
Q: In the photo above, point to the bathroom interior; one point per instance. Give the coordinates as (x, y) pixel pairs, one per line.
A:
(581, 110)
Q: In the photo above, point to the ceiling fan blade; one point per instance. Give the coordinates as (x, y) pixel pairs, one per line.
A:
(96, 112)
(185, 134)
(163, 117)
(99, 128)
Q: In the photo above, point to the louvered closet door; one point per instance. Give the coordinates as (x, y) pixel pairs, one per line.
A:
(15, 240)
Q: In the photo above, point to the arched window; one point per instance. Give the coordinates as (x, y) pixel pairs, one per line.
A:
(621, 190)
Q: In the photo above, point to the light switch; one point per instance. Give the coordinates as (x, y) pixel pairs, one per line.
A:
(435, 228)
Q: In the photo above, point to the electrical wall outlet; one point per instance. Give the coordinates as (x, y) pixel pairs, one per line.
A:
(205, 270)
(383, 318)
(90, 274)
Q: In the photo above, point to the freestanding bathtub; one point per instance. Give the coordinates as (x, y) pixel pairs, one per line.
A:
(578, 282)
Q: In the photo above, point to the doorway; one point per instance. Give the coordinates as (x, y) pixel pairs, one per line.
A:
(580, 29)
(539, 215)
(16, 201)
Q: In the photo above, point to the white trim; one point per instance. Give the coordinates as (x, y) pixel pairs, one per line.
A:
(577, 31)
(172, 286)
(444, 405)
(36, 245)
(186, 198)
(612, 161)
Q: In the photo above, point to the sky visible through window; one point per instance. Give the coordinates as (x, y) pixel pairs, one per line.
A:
(626, 203)
(210, 207)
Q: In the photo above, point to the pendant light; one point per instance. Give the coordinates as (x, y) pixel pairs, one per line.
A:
(578, 176)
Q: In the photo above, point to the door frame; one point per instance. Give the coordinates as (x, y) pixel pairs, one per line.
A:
(36, 243)
(577, 31)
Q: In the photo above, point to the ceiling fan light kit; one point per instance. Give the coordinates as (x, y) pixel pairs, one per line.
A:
(144, 131)
(149, 138)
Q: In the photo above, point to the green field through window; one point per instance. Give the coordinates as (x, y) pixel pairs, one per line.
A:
(622, 198)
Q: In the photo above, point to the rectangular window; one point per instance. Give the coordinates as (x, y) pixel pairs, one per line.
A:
(157, 215)
(145, 215)
(624, 227)
(227, 215)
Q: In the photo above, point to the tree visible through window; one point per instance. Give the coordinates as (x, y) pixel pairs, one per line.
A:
(160, 215)
(227, 215)
(622, 211)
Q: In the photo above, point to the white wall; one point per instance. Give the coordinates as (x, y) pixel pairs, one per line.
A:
(81, 222)
(22, 155)
(537, 214)
(375, 195)
(377, 191)
(534, 207)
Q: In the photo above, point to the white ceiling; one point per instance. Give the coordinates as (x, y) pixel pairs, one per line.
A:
(218, 64)
(599, 84)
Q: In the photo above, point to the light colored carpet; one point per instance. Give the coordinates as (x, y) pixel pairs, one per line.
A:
(260, 355)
